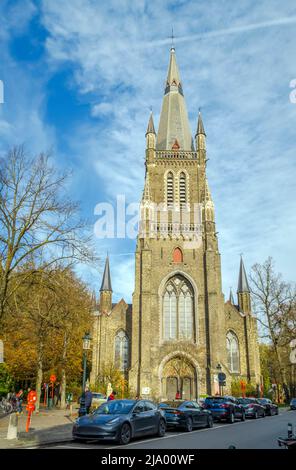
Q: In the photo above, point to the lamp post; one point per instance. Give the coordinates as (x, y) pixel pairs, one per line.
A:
(219, 368)
(86, 347)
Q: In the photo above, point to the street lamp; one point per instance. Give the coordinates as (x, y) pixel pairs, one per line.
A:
(86, 347)
(219, 368)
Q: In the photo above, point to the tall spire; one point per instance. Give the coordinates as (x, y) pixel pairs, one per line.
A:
(150, 127)
(106, 282)
(243, 285)
(200, 127)
(174, 123)
(231, 299)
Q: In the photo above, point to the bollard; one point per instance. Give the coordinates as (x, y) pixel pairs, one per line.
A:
(290, 430)
(12, 427)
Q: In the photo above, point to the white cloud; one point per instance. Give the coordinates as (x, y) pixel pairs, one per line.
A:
(238, 72)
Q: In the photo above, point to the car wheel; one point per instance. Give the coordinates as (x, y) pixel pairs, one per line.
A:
(243, 418)
(231, 418)
(210, 422)
(263, 414)
(256, 415)
(125, 434)
(277, 411)
(161, 428)
(188, 425)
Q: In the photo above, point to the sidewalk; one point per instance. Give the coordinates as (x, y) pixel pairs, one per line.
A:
(46, 427)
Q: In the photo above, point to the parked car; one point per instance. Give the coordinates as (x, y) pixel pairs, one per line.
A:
(253, 408)
(225, 408)
(186, 415)
(121, 420)
(270, 407)
(98, 399)
(293, 404)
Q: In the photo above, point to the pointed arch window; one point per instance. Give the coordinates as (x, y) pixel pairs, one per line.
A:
(178, 301)
(182, 189)
(170, 189)
(121, 350)
(232, 347)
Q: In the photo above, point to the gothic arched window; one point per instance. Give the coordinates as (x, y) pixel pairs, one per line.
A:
(170, 189)
(178, 301)
(182, 188)
(232, 352)
(121, 350)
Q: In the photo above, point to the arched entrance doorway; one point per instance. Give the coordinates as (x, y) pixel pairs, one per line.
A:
(179, 375)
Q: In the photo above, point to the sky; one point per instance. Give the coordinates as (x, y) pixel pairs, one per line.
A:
(80, 78)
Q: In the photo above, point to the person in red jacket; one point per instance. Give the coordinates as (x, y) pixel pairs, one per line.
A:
(111, 396)
(178, 395)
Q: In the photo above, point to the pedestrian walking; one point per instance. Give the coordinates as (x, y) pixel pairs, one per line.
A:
(88, 399)
(111, 396)
(57, 394)
(19, 401)
(178, 395)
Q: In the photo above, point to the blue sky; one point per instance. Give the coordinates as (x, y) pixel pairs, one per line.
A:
(79, 79)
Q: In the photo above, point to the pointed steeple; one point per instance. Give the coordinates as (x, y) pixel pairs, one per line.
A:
(200, 136)
(200, 127)
(243, 290)
(231, 299)
(243, 285)
(150, 127)
(106, 282)
(174, 122)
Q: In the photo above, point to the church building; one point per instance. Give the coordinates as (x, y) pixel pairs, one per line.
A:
(179, 333)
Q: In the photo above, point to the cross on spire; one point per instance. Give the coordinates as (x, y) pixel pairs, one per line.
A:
(172, 38)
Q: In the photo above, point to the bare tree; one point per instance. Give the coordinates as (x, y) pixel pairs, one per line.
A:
(38, 223)
(274, 305)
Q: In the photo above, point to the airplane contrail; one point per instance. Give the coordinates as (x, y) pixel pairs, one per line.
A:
(227, 31)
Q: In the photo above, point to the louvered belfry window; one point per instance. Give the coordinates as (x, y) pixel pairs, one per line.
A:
(170, 189)
(182, 188)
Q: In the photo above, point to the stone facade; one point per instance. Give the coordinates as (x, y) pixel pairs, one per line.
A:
(178, 329)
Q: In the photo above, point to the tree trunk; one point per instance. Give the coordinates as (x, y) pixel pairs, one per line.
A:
(63, 379)
(39, 374)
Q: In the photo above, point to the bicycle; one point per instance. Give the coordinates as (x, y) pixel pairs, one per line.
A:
(5, 406)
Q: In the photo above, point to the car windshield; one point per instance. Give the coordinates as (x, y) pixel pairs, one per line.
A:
(246, 401)
(115, 407)
(171, 404)
(263, 400)
(212, 400)
(293, 400)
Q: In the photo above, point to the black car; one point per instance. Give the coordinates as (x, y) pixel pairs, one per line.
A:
(270, 407)
(253, 408)
(121, 420)
(225, 408)
(186, 415)
(293, 404)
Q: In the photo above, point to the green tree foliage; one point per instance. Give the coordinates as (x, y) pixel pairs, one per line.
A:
(6, 380)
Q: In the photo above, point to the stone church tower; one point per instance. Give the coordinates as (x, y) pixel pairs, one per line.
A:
(179, 333)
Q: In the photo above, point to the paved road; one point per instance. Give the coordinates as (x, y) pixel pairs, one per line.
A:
(251, 434)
